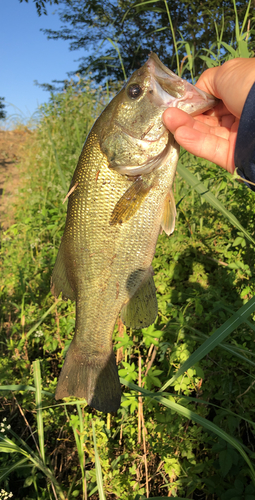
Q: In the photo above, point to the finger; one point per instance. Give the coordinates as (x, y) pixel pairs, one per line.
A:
(216, 149)
(220, 131)
(206, 138)
(175, 118)
(224, 122)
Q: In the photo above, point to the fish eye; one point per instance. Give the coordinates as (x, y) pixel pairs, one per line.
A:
(134, 91)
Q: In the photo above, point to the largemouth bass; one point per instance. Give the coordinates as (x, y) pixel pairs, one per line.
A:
(120, 198)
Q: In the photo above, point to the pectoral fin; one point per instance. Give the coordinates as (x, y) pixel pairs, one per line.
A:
(59, 279)
(169, 214)
(130, 202)
(142, 309)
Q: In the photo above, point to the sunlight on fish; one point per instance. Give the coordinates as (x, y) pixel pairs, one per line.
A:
(119, 200)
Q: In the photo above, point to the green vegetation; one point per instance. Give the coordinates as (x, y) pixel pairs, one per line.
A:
(130, 29)
(186, 424)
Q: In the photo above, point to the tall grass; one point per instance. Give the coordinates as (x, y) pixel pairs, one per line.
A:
(185, 427)
(16, 119)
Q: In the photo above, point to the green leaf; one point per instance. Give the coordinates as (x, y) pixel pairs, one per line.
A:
(237, 241)
(210, 198)
(225, 460)
(28, 481)
(38, 400)
(230, 49)
(215, 339)
(190, 415)
(75, 493)
(243, 49)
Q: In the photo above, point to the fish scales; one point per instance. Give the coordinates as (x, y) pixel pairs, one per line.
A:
(114, 216)
(95, 272)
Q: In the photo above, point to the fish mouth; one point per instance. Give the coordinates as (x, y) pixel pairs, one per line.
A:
(168, 90)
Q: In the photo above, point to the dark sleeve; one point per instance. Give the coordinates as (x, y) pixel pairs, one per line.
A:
(245, 142)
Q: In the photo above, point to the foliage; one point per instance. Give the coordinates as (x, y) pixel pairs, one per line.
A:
(2, 110)
(128, 30)
(185, 427)
(205, 266)
(40, 5)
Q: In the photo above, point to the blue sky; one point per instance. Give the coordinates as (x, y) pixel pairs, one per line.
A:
(27, 55)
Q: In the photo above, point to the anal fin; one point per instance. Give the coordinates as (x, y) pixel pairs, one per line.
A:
(59, 279)
(142, 309)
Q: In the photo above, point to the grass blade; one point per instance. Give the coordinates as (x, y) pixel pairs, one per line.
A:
(99, 475)
(232, 349)
(22, 388)
(61, 175)
(8, 446)
(34, 328)
(215, 339)
(246, 16)
(120, 58)
(38, 400)
(185, 412)
(174, 38)
(78, 134)
(210, 198)
(13, 467)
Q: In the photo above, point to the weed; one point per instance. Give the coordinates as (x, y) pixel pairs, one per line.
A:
(185, 426)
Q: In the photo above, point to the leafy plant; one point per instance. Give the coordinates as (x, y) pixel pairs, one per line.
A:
(186, 425)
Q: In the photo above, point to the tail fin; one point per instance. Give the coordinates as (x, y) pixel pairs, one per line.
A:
(96, 380)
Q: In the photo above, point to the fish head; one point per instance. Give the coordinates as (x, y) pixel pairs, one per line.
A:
(134, 137)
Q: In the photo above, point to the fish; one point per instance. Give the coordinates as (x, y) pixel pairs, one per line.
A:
(120, 199)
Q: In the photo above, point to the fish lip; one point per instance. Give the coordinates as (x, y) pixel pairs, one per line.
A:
(165, 85)
(162, 72)
(169, 90)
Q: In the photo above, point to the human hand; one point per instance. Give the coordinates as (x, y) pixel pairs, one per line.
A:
(212, 135)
